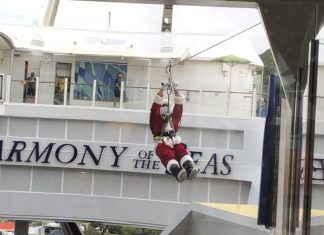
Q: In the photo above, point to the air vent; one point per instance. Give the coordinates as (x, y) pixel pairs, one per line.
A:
(39, 43)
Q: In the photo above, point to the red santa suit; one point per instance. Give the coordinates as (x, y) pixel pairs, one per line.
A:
(168, 149)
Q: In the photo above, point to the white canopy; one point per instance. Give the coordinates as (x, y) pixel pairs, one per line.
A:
(139, 45)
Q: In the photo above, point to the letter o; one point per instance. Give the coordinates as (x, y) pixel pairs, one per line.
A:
(140, 155)
(57, 153)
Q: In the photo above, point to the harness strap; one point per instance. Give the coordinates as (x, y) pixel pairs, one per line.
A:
(167, 119)
(157, 138)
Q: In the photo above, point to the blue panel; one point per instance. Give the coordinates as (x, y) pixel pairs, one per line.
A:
(269, 170)
(88, 78)
(104, 73)
(99, 69)
(81, 72)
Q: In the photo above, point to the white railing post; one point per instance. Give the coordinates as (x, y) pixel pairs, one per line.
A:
(229, 89)
(2, 83)
(254, 103)
(65, 91)
(228, 94)
(8, 86)
(37, 90)
(94, 88)
(148, 79)
(121, 104)
(200, 97)
(147, 96)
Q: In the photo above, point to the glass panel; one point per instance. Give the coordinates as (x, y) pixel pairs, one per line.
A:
(18, 91)
(135, 98)
(46, 92)
(46, 87)
(79, 97)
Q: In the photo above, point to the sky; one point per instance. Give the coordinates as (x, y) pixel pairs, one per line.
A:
(221, 20)
(103, 16)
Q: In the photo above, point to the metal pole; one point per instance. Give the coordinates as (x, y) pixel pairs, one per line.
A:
(229, 89)
(109, 19)
(310, 131)
(8, 86)
(262, 74)
(37, 90)
(148, 80)
(254, 103)
(65, 90)
(94, 88)
(200, 97)
(121, 103)
(295, 161)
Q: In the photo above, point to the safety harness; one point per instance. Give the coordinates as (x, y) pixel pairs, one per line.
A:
(171, 133)
(167, 119)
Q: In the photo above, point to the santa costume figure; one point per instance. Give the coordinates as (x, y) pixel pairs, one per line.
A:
(164, 126)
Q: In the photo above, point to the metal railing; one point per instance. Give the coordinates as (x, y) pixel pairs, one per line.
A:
(198, 101)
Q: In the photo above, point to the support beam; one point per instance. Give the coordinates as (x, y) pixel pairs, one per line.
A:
(290, 27)
(210, 3)
(310, 133)
(50, 12)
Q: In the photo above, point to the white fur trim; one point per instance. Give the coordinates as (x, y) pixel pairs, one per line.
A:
(165, 101)
(158, 99)
(170, 163)
(184, 159)
(179, 99)
(168, 141)
(176, 140)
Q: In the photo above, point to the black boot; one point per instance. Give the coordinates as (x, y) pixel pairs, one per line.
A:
(190, 169)
(178, 172)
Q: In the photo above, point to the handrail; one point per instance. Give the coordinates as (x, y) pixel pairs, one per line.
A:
(138, 87)
(135, 100)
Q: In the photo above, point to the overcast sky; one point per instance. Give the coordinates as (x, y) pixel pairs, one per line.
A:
(139, 18)
(220, 20)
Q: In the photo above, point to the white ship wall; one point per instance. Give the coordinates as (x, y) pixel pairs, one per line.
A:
(81, 193)
(126, 190)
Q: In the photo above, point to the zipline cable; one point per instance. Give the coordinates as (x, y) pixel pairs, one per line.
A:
(243, 31)
(170, 65)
